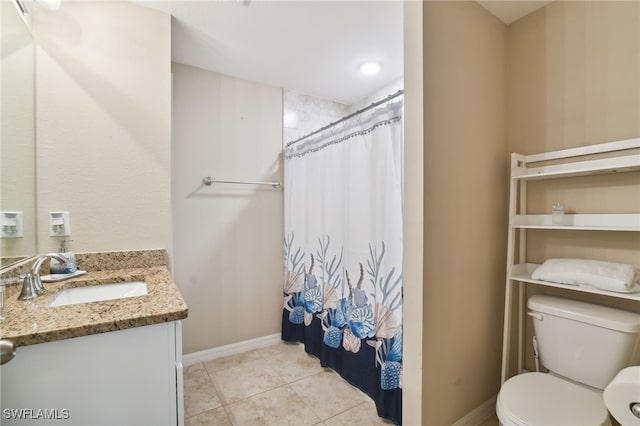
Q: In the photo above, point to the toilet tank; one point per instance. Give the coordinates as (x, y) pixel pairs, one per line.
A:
(584, 342)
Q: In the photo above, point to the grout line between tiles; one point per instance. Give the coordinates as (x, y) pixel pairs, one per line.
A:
(228, 413)
(224, 400)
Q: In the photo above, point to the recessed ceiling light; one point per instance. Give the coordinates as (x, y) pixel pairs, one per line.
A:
(370, 68)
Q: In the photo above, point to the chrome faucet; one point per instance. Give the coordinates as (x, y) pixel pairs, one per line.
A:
(32, 284)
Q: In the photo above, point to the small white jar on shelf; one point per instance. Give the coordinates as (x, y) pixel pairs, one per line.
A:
(557, 214)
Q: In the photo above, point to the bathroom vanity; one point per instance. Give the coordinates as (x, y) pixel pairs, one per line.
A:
(109, 362)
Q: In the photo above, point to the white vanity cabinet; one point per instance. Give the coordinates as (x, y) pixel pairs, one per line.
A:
(123, 377)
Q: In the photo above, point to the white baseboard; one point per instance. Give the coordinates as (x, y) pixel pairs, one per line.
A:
(232, 349)
(479, 414)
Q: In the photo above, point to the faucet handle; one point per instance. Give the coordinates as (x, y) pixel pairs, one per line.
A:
(32, 284)
(29, 288)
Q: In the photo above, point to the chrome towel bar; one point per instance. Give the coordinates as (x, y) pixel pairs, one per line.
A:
(208, 180)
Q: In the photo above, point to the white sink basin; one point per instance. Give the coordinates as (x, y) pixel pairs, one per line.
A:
(97, 293)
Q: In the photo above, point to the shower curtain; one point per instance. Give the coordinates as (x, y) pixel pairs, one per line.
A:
(343, 252)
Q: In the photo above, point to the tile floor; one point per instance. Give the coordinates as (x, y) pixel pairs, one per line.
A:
(277, 385)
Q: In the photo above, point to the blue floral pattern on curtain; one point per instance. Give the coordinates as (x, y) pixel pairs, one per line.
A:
(343, 281)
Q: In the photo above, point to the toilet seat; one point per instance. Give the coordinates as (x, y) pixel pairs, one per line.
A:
(542, 399)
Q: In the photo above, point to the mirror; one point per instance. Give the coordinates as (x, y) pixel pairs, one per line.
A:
(17, 135)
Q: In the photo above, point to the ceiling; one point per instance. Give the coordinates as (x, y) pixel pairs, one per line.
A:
(511, 11)
(311, 46)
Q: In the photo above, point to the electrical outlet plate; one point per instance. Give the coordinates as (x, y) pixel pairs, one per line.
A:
(11, 224)
(59, 224)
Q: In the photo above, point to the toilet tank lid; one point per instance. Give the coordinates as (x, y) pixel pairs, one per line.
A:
(602, 316)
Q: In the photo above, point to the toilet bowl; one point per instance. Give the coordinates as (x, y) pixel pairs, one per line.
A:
(543, 399)
(583, 346)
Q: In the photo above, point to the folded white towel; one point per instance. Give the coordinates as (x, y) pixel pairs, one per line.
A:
(618, 277)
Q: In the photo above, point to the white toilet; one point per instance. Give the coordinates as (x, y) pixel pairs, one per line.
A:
(583, 346)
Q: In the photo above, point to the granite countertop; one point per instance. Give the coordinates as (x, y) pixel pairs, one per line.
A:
(31, 322)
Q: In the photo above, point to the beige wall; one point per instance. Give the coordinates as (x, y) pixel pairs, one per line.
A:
(228, 238)
(573, 76)
(103, 125)
(465, 207)
(412, 217)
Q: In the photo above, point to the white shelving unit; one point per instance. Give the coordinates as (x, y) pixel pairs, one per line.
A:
(621, 156)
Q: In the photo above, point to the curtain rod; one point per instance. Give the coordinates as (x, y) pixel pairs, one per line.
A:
(360, 111)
